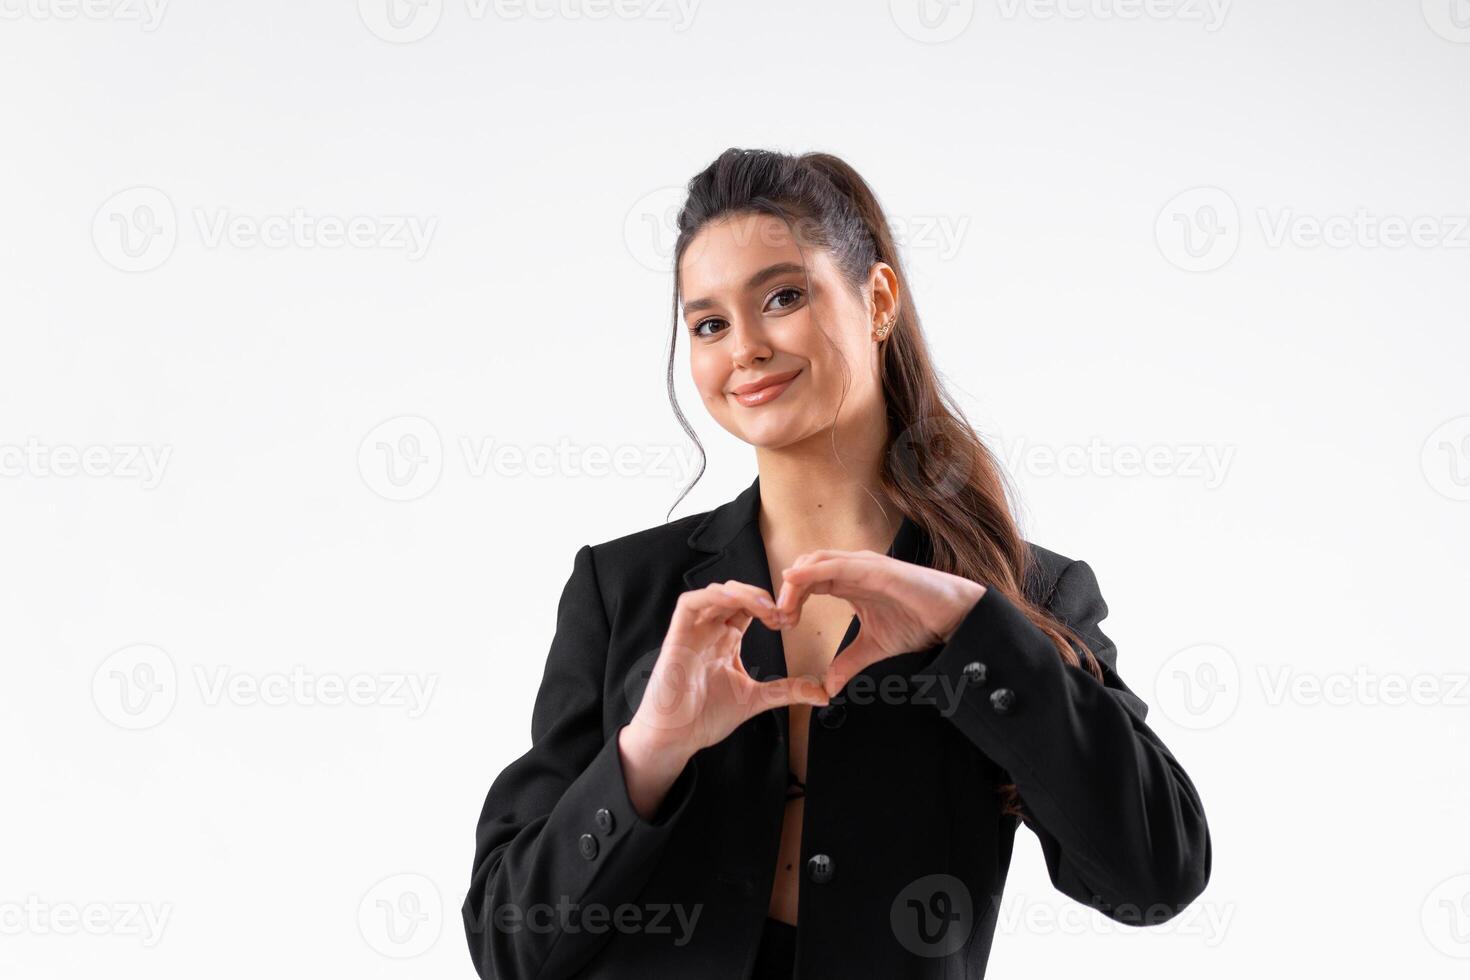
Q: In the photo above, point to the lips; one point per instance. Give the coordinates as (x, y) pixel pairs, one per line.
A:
(766, 389)
(766, 382)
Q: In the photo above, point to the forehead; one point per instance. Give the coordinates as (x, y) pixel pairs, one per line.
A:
(725, 252)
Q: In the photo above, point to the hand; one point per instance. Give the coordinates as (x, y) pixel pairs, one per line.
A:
(901, 606)
(699, 691)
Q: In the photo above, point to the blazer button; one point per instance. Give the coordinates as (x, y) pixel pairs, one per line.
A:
(605, 822)
(587, 844)
(832, 715)
(1002, 699)
(975, 672)
(820, 869)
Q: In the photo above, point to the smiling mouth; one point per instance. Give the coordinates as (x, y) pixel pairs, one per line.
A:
(768, 393)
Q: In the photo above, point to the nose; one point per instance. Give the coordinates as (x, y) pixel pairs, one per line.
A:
(748, 345)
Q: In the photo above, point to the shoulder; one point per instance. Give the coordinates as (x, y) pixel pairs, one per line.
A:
(657, 542)
(1044, 573)
(1068, 589)
(646, 556)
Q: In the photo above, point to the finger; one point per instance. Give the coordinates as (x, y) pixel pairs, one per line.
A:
(783, 601)
(855, 658)
(716, 601)
(803, 689)
(837, 576)
(738, 621)
(758, 596)
(747, 610)
(807, 557)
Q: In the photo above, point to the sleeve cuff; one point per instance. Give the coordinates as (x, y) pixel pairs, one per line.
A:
(601, 828)
(1003, 682)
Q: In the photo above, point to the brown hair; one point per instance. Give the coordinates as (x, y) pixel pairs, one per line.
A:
(936, 469)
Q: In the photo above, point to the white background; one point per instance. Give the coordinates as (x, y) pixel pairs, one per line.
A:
(1042, 166)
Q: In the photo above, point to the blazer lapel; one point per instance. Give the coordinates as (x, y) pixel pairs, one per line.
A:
(731, 535)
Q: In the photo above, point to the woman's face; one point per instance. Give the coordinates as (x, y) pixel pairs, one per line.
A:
(751, 319)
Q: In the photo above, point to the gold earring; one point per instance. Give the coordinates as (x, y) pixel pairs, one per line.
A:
(887, 326)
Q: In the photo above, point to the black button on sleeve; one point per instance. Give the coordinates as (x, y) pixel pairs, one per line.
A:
(820, 868)
(605, 821)
(975, 672)
(587, 844)
(1002, 699)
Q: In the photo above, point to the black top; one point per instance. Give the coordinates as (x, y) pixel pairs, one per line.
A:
(776, 958)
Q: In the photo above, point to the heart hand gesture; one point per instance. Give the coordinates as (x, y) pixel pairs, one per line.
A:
(901, 606)
(699, 691)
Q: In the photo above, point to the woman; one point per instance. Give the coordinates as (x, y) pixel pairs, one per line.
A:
(679, 814)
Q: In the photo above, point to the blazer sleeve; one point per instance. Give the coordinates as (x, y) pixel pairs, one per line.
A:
(558, 834)
(1120, 823)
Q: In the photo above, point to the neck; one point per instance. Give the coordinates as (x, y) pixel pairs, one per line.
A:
(815, 497)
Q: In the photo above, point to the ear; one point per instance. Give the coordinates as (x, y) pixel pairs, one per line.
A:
(883, 293)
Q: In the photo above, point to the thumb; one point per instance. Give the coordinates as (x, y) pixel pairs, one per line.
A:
(802, 689)
(855, 658)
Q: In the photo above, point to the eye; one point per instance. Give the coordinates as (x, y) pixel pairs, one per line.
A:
(791, 294)
(791, 291)
(704, 323)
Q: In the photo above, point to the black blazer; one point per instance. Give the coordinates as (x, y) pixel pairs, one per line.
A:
(904, 847)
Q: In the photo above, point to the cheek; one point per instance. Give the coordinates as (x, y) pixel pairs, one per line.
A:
(831, 369)
(708, 379)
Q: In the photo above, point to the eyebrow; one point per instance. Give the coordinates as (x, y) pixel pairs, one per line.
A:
(779, 269)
